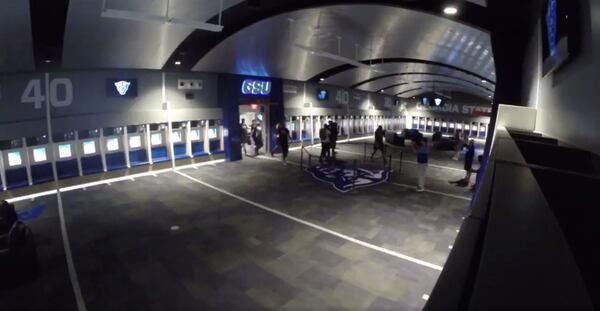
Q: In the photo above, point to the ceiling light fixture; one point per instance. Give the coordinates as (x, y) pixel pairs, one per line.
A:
(450, 10)
(47, 61)
(483, 81)
(322, 79)
(177, 63)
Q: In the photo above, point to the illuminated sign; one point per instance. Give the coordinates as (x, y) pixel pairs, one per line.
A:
(438, 101)
(322, 94)
(256, 87)
(121, 87)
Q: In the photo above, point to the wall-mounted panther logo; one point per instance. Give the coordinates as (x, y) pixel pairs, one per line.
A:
(342, 179)
(122, 87)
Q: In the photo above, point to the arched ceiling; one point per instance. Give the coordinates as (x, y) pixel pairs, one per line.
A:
(358, 32)
(406, 42)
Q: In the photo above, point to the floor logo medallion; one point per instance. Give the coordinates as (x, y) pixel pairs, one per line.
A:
(342, 179)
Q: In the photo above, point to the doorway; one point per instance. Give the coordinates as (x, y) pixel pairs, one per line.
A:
(259, 114)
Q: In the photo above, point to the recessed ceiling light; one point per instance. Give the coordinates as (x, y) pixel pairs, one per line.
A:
(381, 91)
(177, 63)
(490, 96)
(450, 10)
(483, 81)
(322, 79)
(47, 61)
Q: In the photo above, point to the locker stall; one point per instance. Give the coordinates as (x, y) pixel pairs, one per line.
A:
(179, 139)
(66, 155)
(422, 122)
(459, 127)
(415, 123)
(316, 127)
(215, 136)
(137, 145)
(40, 156)
(467, 128)
(89, 148)
(474, 129)
(113, 145)
(437, 127)
(14, 159)
(158, 143)
(197, 138)
(444, 128)
(451, 127)
(295, 128)
(306, 131)
(482, 130)
(429, 126)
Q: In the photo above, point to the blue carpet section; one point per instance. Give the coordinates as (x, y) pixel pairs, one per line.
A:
(91, 165)
(31, 215)
(215, 147)
(180, 152)
(115, 161)
(67, 169)
(138, 157)
(159, 154)
(41, 173)
(294, 136)
(16, 178)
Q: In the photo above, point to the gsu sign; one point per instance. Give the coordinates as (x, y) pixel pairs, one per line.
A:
(256, 87)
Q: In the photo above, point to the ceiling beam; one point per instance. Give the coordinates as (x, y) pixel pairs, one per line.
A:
(420, 73)
(339, 69)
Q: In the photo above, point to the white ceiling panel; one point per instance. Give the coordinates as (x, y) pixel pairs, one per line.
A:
(92, 41)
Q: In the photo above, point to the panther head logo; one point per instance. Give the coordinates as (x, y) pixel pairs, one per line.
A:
(122, 87)
(343, 179)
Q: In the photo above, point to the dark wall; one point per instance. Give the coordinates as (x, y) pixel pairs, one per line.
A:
(567, 99)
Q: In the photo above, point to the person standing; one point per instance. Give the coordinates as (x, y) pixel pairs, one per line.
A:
(379, 145)
(257, 136)
(459, 143)
(244, 136)
(422, 150)
(469, 156)
(333, 127)
(325, 136)
(283, 140)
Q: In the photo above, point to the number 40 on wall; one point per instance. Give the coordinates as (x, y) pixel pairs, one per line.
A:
(60, 86)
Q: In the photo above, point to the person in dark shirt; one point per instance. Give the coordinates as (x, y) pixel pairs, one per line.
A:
(244, 139)
(469, 156)
(325, 136)
(333, 127)
(379, 145)
(257, 136)
(283, 140)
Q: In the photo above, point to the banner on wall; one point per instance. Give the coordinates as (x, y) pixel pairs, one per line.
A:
(469, 110)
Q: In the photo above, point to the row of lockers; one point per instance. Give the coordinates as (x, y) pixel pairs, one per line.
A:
(472, 129)
(28, 161)
(303, 127)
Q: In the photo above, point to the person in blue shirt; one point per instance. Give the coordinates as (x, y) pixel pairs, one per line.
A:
(422, 150)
